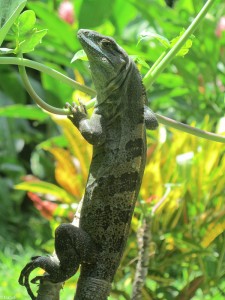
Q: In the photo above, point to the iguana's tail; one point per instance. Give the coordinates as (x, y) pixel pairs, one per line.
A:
(92, 289)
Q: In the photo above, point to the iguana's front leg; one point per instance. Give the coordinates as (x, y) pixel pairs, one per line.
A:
(92, 129)
(151, 122)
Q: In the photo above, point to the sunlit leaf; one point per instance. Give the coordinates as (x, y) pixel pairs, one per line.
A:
(31, 40)
(147, 35)
(185, 48)
(79, 55)
(139, 61)
(26, 22)
(213, 233)
(45, 188)
(80, 149)
(56, 141)
(67, 171)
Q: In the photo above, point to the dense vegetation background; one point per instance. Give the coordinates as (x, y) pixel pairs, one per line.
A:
(182, 194)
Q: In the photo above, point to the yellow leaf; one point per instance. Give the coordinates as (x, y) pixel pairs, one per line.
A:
(67, 172)
(213, 233)
(46, 189)
(81, 149)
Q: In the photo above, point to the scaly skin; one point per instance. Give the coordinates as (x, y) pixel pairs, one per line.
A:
(117, 132)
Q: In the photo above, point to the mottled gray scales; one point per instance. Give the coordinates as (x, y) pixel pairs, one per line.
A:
(116, 130)
(112, 185)
(134, 148)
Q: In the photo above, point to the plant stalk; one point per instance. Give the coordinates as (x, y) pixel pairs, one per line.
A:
(151, 76)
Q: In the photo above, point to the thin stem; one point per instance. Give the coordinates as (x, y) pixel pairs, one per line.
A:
(191, 130)
(151, 76)
(35, 97)
(42, 68)
(157, 61)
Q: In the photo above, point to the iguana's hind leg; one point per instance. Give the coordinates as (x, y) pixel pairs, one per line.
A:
(73, 246)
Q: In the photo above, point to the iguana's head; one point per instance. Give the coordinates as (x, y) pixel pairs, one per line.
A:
(108, 61)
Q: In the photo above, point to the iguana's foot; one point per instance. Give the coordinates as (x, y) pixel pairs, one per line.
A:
(78, 112)
(51, 265)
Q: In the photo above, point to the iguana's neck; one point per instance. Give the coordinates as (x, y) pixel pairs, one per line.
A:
(115, 87)
(109, 63)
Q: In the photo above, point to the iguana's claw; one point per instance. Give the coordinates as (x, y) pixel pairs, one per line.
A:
(53, 273)
(25, 273)
(67, 106)
(74, 108)
(36, 262)
(27, 270)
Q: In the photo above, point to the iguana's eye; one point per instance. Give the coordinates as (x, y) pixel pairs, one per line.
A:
(105, 43)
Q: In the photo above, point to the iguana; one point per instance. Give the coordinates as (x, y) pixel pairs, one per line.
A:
(117, 131)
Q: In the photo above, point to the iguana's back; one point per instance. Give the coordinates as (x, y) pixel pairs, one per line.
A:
(115, 173)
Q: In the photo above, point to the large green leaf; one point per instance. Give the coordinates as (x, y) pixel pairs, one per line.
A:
(30, 112)
(123, 13)
(94, 13)
(9, 11)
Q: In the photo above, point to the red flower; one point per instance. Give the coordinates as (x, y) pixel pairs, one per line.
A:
(220, 27)
(46, 208)
(66, 11)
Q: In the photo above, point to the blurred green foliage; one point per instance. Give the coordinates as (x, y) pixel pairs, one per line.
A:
(188, 227)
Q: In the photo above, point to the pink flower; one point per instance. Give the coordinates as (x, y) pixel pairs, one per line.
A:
(66, 11)
(220, 27)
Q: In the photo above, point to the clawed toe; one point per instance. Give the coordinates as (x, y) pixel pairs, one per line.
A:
(24, 276)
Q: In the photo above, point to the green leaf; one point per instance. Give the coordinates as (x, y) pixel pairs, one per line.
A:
(9, 11)
(12, 87)
(55, 91)
(26, 22)
(184, 50)
(30, 112)
(31, 41)
(94, 13)
(166, 43)
(124, 13)
(139, 61)
(79, 55)
(152, 35)
(57, 141)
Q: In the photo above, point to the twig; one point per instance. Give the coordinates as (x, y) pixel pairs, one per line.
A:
(144, 239)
